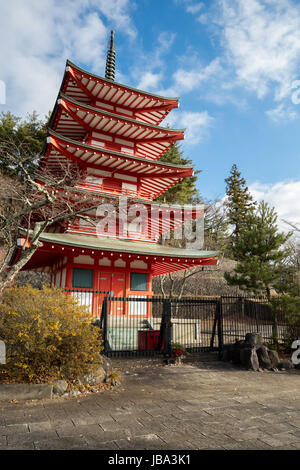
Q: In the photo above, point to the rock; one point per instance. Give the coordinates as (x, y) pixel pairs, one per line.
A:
(93, 378)
(107, 365)
(249, 359)
(254, 339)
(274, 358)
(245, 355)
(285, 365)
(227, 352)
(238, 345)
(178, 360)
(169, 361)
(254, 363)
(263, 357)
(60, 387)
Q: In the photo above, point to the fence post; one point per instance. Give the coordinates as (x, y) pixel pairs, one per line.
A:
(213, 333)
(103, 322)
(167, 326)
(220, 325)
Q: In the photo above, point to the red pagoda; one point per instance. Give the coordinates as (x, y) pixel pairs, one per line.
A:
(113, 133)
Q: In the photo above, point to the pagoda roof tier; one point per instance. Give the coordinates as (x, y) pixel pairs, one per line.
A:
(152, 178)
(164, 259)
(78, 120)
(88, 88)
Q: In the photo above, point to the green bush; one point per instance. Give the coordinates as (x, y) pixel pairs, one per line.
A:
(48, 335)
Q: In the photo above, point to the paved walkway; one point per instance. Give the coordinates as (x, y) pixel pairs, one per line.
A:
(201, 405)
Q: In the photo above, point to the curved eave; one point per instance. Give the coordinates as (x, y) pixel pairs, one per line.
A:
(100, 150)
(117, 246)
(125, 87)
(119, 117)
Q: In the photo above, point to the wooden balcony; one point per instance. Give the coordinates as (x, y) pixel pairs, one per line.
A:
(89, 229)
(116, 190)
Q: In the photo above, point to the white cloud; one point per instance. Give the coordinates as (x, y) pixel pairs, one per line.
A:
(262, 42)
(284, 196)
(194, 8)
(282, 112)
(36, 38)
(197, 124)
(149, 81)
(189, 78)
(151, 67)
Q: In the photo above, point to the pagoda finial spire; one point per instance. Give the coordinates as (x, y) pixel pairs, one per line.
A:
(111, 59)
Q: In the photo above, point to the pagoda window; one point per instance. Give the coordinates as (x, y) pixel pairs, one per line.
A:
(94, 180)
(129, 188)
(100, 104)
(138, 281)
(124, 111)
(83, 278)
(127, 150)
(96, 143)
(111, 184)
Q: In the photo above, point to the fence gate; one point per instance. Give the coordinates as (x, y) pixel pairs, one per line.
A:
(149, 326)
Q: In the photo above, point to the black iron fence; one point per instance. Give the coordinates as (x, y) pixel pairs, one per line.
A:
(138, 325)
(149, 326)
(241, 315)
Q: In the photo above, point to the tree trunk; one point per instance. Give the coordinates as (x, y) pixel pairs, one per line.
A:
(274, 321)
(11, 272)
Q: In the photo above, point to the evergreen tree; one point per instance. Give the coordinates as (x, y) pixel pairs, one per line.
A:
(260, 252)
(238, 204)
(28, 134)
(184, 192)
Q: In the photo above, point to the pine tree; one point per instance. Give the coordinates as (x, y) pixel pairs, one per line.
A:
(28, 134)
(260, 252)
(239, 204)
(184, 192)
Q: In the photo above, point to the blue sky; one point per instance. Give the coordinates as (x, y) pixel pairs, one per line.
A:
(234, 63)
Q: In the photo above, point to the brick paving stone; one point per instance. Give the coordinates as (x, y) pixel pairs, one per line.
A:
(3, 441)
(177, 445)
(84, 420)
(247, 445)
(201, 406)
(277, 428)
(81, 430)
(12, 429)
(271, 441)
(286, 437)
(20, 446)
(148, 441)
(172, 436)
(295, 445)
(71, 443)
(20, 439)
(41, 426)
(96, 444)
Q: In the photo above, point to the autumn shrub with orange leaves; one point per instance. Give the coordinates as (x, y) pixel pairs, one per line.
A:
(48, 335)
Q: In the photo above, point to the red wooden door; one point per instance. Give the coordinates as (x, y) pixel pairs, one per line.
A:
(104, 286)
(118, 290)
